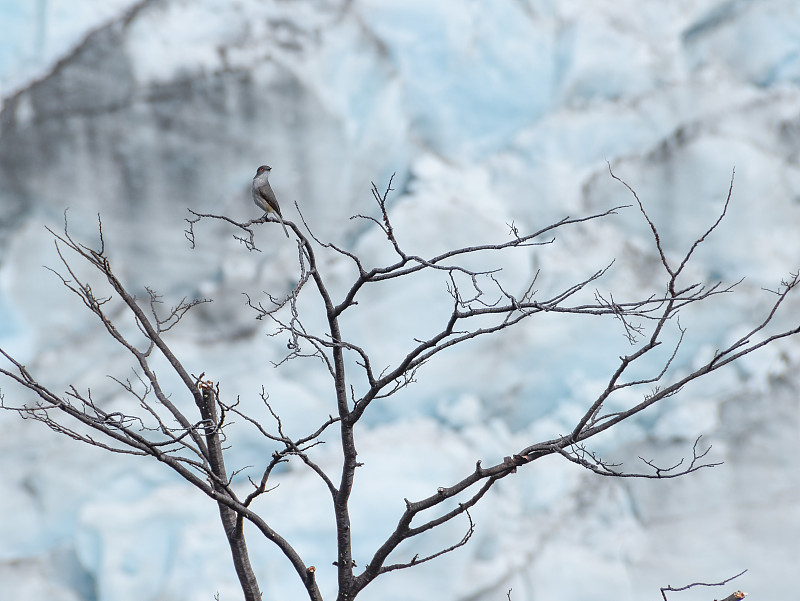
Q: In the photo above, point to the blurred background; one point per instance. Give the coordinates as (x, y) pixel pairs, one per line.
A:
(487, 112)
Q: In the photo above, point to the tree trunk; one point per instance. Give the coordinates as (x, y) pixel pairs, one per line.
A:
(234, 527)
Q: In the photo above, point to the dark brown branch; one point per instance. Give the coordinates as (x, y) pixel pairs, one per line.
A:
(580, 455)
(737, 596)
(416, 560)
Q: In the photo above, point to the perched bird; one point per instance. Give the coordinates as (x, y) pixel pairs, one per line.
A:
(263, 195)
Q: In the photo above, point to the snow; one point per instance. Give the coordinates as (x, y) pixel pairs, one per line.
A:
(489, 113)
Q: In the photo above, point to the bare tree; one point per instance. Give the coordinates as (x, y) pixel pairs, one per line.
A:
(191, 443)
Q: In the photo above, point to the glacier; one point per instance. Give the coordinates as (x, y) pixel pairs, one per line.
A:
(487, 113)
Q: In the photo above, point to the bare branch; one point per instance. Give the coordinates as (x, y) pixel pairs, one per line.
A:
(580, 455)
(737, 596)
(416, 560)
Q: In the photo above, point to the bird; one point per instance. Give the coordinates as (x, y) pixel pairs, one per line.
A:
(263, 195)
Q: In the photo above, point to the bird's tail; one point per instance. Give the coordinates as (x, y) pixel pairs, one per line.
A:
(278, 215)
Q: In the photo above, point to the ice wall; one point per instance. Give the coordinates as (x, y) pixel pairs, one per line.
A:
(488, 112)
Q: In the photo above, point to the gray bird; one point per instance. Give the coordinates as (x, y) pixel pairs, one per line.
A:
(263, 195)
